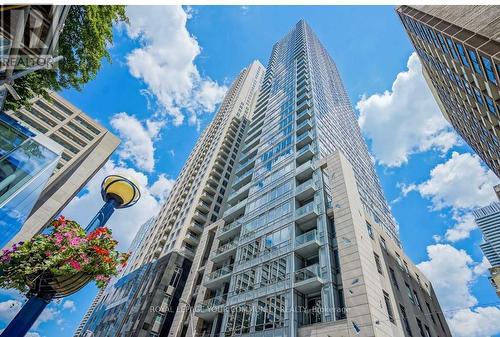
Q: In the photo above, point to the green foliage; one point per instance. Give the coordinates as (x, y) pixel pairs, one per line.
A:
(88, 31)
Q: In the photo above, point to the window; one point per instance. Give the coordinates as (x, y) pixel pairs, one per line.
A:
(479, 98)
(417, 301)
(489, 104)
(452, 48)
(405, 320)
(270, 313)
(463, 57)
(174, 281)
(382, 243)
(475, 61)
(377, 262)
(430, 312)
(488, 66)
(409, 292)
(393, 278)
(398, 258)
(388, 306)
(427, 331)
(370, 229)
(420, 328)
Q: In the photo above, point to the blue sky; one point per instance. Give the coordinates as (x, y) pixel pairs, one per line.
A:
(177, 62)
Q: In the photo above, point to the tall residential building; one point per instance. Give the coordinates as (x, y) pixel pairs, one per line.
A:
(488, 221)
(306, 245)
(459, 47)
(86, 147)
(143, 302)
(121, 288)
(27, 160)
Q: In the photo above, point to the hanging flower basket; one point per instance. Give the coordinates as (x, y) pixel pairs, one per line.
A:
(62, 262)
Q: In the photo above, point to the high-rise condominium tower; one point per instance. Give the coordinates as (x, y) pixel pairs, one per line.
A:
(459, 47)
(143, 302)
(307, 245)
(86, 147)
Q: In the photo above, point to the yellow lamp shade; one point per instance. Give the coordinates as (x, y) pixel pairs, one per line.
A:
(123, 189)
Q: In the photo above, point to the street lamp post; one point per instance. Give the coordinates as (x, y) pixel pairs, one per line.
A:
(117, 192)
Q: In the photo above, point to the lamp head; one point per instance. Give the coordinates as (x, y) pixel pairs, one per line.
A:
(123, 190)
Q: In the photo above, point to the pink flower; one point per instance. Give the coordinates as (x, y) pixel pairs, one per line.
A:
(75, 265)
(75, 241)
(101, 278)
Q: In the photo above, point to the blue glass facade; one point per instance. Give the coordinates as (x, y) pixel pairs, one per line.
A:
(281, 253)
(26, 164)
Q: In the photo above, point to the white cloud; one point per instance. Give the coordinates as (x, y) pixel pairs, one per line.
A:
(69, 305)
(449, 271)
(452, 272)
(137, 139)
(462, 228)
(478, 322)
(482, 267)
(162, 187)
(32, 334)
(405, 120)
(461, 183)
(165, 62)
(124, 222)
(9, 309)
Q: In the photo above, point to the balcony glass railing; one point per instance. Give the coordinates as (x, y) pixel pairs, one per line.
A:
(303, 136)
(304, 186)
(226, 247)
(220, 272)
(213, 302)
(304, 124)
(310, 207)
(243, 177)
(230, 226)
(304, 150)
(307, 273)
(306, 237)
(238, 206)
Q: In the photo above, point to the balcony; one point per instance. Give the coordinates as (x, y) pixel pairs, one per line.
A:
(225, 251)
(248, 146)
(196, 227)
(304, 126)
(235, 211)
(304, 170)
(248, 164)
(306, 114)
(203, 206)
(305, 96)
(308, 279)
(229, 230)
(303, 139)
(217, 278)
(307, 244)
(238, 195)
(208, 309)
(199, 216)
(306, 190)
(307, 104)
(191, 238)
(306, 213)
(207, 197)
(242, 180)
(304, 154)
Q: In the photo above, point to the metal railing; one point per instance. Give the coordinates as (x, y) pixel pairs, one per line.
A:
(220, 272)
(307, 273)
(306, 237)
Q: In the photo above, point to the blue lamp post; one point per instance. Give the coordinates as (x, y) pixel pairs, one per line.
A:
(117, 192)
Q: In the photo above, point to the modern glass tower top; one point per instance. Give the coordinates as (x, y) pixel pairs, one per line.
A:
(319, 88)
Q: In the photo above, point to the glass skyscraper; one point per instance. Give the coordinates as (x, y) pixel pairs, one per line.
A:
(304, 243)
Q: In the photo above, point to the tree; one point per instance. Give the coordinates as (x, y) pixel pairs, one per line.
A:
(88, 31)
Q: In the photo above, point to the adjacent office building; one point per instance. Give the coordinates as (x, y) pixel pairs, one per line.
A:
(488, 220)
(459, 47)
(86, 146)
(307, 245)
(27, 160)
(143, 302)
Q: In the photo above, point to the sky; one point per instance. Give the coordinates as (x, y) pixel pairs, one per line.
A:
(170, 69)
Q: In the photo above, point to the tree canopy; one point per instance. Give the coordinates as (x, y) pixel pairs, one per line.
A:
(87, 33)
